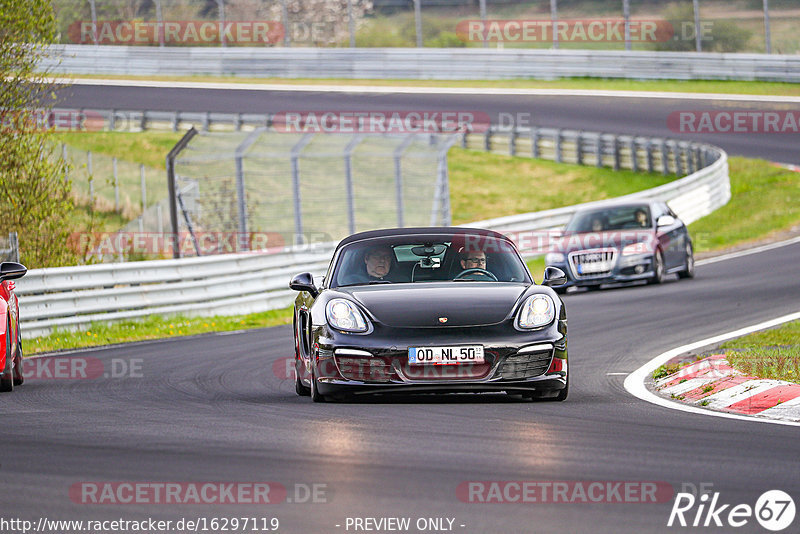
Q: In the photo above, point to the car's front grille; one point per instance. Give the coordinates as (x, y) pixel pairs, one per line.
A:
(364, 369)
(526, 365)
(592, 263)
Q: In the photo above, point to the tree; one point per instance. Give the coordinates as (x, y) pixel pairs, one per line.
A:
(35, 198)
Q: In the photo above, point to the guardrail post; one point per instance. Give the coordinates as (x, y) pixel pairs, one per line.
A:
(487, 140)
(512, 142)
(143, 121)
(535, 142)
(617, 155)
(664, 157)
(172, 192)
(206, 121)
(237, 122)
(464, 140)
(598, 151)
(579, 148)
(175, 121)
(649, 148)
(678, 159)
(557, 141)
(112, 120)
(634, 159)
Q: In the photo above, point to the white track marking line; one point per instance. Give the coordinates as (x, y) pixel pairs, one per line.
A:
(749, 251)
(634, 383)
(489, 91)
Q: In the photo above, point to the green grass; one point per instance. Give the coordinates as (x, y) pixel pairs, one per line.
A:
(484, 186)
(771, 354)
(597, 84)
(149, 148)
(765, 199)
(154, 327)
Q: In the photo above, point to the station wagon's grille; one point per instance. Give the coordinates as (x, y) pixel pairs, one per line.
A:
(526, 365)
(592, 263)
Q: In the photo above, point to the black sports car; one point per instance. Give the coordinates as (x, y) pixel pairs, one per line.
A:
(429, 310)
(622, 242)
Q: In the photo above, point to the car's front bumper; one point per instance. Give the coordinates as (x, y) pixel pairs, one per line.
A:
(626, 269)
(378, 362)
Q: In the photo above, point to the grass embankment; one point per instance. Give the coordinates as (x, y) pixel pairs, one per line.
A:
(771, 354)
(154, 327)
(589, 84)
(765, 199)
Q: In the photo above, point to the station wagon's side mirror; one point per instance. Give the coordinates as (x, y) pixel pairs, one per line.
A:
(553, 276)
(665, 220)
(304, 282)
(11, 270)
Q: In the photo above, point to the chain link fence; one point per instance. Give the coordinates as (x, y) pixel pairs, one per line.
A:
(273, 189)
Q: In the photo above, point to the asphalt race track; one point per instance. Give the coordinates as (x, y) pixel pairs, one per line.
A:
(213, 408)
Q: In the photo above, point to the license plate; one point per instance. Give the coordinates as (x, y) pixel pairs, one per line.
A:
(445, 355)
(598, 267)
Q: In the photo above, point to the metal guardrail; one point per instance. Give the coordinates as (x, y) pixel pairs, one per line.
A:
(415, 63)
(71, 297)
(68, 297)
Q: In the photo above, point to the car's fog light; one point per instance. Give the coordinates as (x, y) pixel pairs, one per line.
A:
(639, 269)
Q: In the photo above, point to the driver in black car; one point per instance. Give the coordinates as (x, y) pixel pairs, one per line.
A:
(378, 261)
(474, 259)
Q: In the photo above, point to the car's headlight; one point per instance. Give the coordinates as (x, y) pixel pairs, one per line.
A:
(636, 248)
(536, 311)
(344, 315)
(553, 257)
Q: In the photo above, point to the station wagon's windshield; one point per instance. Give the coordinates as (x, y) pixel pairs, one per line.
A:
(613, 218)
(417, 259)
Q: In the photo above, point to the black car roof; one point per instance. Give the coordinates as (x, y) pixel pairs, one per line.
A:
(431, 230)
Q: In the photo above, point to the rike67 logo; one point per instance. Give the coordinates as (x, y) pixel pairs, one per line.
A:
(774, 510)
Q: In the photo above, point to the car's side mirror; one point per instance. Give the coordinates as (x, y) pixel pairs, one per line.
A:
(553, 276)
(665, 220)
(304, 282)
(11, 270)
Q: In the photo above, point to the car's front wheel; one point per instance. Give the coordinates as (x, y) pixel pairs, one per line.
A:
(688, 269)
(659, 272)
(316, 396)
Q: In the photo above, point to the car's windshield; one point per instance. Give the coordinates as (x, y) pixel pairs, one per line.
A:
(417, 259)
(612, 218)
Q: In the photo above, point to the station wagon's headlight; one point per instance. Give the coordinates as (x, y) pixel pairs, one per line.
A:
(553, 257)
(536, 311)
(344, 315)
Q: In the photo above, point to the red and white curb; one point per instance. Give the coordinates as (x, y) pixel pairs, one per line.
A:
(784, 413)
(713, 383)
